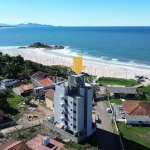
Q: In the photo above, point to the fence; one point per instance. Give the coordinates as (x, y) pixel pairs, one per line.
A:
(64, 133)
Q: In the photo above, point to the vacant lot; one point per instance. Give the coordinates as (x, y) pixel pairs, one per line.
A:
(134, 137)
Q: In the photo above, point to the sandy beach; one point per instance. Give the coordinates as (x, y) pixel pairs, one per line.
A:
(99, 69)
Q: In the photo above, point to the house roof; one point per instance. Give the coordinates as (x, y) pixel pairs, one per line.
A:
(45, 82)
(50, 93)
(39, 75)
(137, 108)
(36, 144)
(119, 89)
(8, 80)
(14, 145)
(25, 87)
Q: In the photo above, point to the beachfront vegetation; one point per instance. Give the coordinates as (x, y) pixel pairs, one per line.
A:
(134, 137)
(117, 81)
(15, 67)
(146, 90)
(9, 104)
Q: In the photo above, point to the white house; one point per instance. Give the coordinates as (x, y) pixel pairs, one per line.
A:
(137, 112)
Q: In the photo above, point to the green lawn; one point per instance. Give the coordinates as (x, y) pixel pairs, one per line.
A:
(25, 134)
(146, 90)
(89, 78)
(13, 101)
(117, 81)
(116, 101)
(134, 137)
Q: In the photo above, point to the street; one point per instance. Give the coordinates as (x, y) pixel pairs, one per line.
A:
(105, 136)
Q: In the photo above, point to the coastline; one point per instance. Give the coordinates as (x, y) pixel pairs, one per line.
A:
(99, 69)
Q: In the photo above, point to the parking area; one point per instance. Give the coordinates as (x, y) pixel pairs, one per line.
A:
(118, 112)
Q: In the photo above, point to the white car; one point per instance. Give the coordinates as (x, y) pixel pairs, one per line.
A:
(123, 116)
(122, 112)
(108, 110)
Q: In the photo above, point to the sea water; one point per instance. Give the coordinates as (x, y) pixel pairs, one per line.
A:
(118, 45)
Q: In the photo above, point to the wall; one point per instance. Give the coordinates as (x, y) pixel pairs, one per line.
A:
(89, 111)
(80, 114)
(15, 90)
(49, 103)
(58, 102)
(35, 83)
(5, 125)
(63, 132)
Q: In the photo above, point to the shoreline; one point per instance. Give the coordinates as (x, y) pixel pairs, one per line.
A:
(99, 69)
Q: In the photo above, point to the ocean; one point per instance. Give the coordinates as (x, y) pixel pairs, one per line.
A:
(117, 45)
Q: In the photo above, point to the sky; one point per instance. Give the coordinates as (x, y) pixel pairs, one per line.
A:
(76, 12)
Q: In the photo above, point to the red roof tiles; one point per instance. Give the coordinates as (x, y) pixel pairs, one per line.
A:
(50, 93)
(45, 82)
(39, 75)
(36, 144)
(137, 108)
(25, 87)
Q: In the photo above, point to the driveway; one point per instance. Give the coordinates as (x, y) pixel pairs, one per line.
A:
(105, 136)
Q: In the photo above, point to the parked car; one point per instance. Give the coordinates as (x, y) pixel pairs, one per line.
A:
(122, 112)
(108, 110)
(123, 116)
(97, 120)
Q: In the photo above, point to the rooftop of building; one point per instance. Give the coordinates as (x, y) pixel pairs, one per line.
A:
(36, 144)
(45, 82)
(137, 108)
(25, 87)
(50, 93)
(121, 89)
(39, 74)
(8, 80)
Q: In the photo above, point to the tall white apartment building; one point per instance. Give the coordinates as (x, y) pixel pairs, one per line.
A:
(73, 105)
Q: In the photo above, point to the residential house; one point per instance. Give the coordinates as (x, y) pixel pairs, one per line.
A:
(24, 89)
(39, 75)
(49, 99)
(14, 145)
(137, 112)
(8, 82)
(40, 142)
(117, 91)
(42, 86)
(2, 89)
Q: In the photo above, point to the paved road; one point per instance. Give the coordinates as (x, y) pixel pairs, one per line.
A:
(105, 136)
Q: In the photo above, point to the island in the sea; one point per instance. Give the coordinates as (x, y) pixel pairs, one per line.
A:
(41, 45)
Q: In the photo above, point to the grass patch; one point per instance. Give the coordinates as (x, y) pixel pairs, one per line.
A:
(116, 101)
(26, 134)
(134, 137)
(117, 81)
(89, 144)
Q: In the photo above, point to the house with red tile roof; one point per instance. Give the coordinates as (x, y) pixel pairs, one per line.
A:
(137, 112)
(37, 144)
(49, 98)
(14, 145)
(24, 89)
(39, 75)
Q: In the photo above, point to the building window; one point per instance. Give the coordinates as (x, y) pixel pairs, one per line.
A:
(71, 109)
(71, 116)
(62, 119)
(140, 121)
(71, 102)
(74, 104)
(62, 113)
(74, 111)
(74, 126)
(74, 119)
(71, 124)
